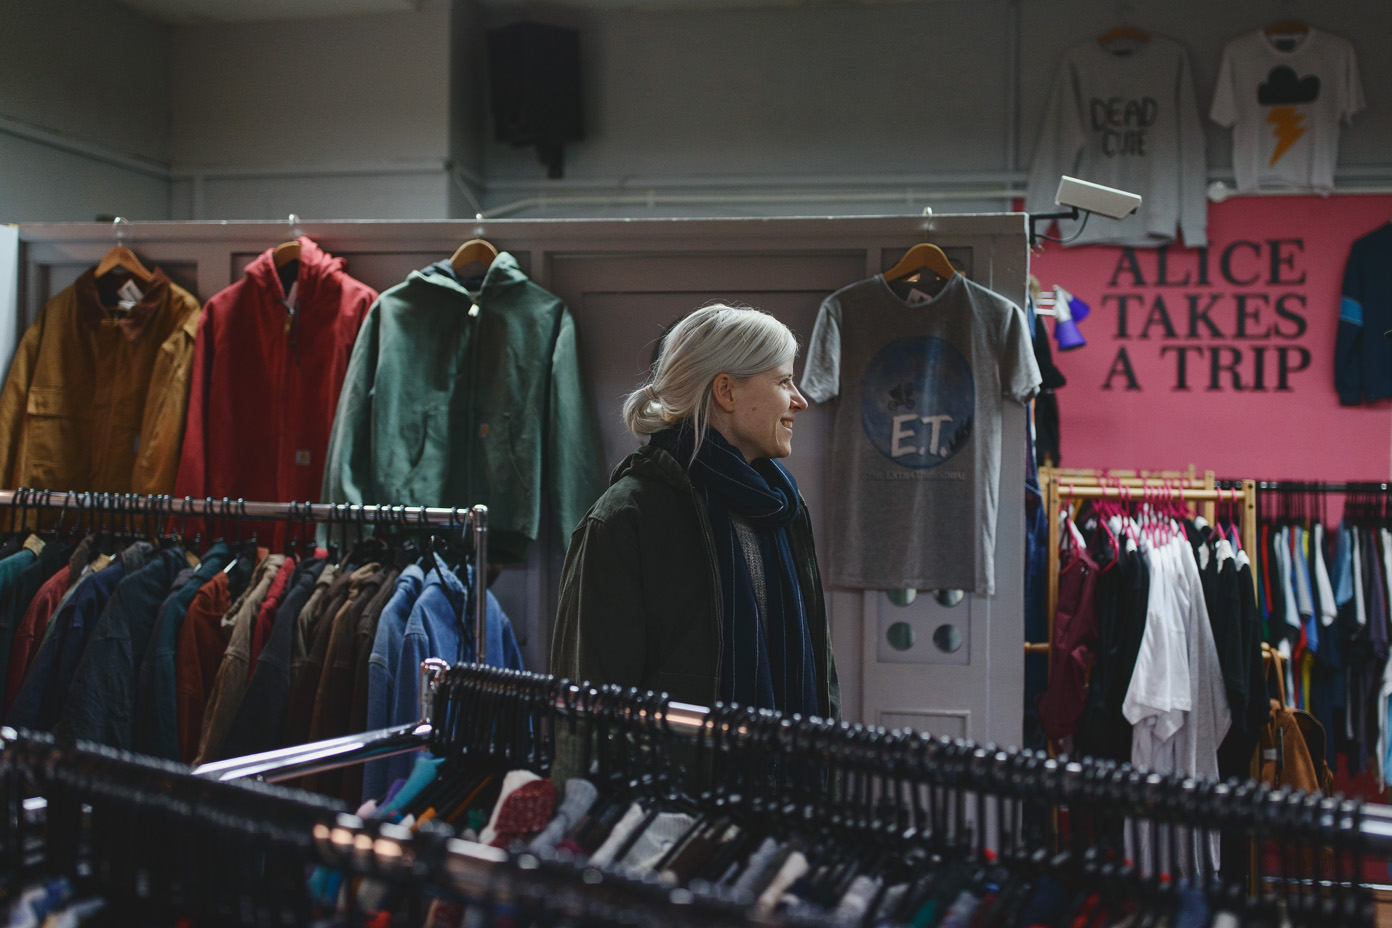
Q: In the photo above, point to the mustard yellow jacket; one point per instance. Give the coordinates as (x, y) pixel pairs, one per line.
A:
(95, 399)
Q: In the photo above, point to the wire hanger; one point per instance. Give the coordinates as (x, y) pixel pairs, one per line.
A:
(474, 251)
(289, 251)
(122, 257)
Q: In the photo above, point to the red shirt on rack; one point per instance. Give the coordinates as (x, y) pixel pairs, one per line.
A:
(267, 370)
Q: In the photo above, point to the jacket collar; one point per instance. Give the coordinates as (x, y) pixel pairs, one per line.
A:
(92, 314)
(316, 266)
(653, 462)
(501, 273)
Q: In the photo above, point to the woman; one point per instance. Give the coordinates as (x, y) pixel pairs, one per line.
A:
(695, 572)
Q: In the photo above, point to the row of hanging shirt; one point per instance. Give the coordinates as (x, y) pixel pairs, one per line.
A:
(146, 647)
(1325, 599)
(1156, 656)
(615, 825)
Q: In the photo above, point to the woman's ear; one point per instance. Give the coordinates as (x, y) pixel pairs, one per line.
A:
(723, 389)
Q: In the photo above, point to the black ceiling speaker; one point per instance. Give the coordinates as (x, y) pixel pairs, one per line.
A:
(535, 70)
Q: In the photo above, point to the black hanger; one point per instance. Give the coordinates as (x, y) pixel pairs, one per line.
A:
(241, 524)
(366, 548)
(23, 528)
(293, 538)
(70, 500)
(125, 508)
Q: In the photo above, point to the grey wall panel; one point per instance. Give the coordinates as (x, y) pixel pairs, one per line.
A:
(90, 69)
(346, 90)
(863, 89)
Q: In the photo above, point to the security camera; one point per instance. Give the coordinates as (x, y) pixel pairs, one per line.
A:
(1095, 198)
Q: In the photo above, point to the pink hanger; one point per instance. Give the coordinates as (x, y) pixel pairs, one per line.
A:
(1236, 535)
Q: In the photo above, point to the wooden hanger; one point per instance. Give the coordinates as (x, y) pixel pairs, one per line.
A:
(286, 252)
(1123, 32)
(124, 258)
(1288, 27)
(475, 250)
(923, 255)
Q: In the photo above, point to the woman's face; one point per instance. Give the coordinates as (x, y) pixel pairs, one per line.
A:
(761, 423)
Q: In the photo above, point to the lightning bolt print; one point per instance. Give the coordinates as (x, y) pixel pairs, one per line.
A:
(1289, 128)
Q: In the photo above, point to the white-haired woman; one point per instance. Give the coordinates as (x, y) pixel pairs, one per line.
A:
(695, 572)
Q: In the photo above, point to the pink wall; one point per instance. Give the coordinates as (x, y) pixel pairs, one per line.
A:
(1230, 350)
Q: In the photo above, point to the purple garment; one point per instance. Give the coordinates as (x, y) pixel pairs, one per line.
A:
(1377, 603)
(1074, 646)
(392, 791)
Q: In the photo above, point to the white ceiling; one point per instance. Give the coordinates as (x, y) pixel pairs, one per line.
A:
(243, 11)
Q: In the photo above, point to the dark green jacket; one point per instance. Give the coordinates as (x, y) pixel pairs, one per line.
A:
(640, 594)
(445, 406)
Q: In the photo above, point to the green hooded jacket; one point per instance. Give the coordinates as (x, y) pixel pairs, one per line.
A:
(447, 405)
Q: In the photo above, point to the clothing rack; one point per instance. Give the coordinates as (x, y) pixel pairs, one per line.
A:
(473, 519)
(240, 850)
(1058, 485)
(1081, 782)
(285, 764)
(878, 778)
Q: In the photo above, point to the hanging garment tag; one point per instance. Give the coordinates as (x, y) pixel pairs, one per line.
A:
(34, 543)
(130, 293)
(474, 310)
(101, 563)
(193, 560)
(292, 305)
(917, 297)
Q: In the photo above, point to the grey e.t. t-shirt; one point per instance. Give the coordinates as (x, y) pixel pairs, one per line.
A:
(916, 442)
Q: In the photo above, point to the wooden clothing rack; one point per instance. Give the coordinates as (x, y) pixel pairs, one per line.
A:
(1058, 485)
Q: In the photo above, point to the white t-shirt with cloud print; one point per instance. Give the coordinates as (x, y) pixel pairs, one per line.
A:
(1284, 98)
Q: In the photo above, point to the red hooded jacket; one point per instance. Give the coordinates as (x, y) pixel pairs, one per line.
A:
(266, 377)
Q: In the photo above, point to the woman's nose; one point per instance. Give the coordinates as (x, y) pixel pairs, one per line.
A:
(799, 401)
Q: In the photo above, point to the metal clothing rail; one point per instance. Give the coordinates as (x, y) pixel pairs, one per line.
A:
(301, 760)
(1070, 777)
(1312, 486)
(474, 518)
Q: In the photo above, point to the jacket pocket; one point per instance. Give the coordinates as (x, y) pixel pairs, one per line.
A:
(56, 434)
(421, 456)
(506, 482)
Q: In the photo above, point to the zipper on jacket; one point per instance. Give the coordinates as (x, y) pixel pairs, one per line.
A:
(292, 326)
(473, 322)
